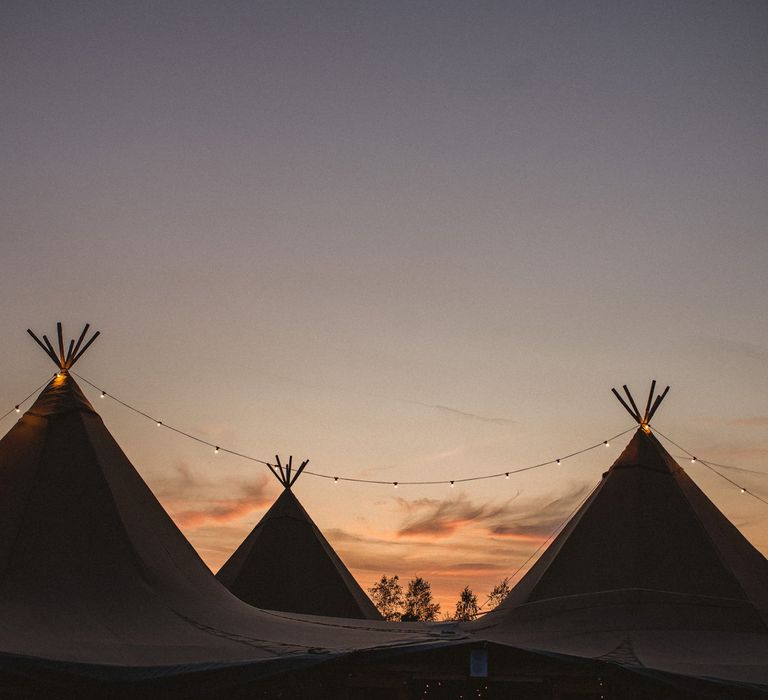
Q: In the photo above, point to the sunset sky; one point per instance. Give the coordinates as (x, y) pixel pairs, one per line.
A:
(405, 240)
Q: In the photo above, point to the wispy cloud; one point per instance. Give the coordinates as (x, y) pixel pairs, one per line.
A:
(463, 414)
(456, 542)
(735, 454)
(511, 532)
(741, 348)
(474, 567)
(468, 558)
(528, 521)
(541, 516)
(754, 421)
(439, 518)
(322, 388)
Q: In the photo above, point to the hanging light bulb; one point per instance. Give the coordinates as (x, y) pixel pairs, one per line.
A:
(159, 423)
(18, 410)
(335, 479)
(693, 459)
(394, 483)
(558, 462)
(506, 475)
(743, 490)
(103, 394)
(606, 443)
(452, 484)
(216, 451)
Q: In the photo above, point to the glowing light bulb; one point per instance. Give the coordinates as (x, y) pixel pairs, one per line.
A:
(693, 459)
(743, 490)
(394, 484)
(159, 423)
(17, 409)
(452, 484)
(335, 479)
(558, 461)
(506, 475)
(103, 394)
(216, 451)
(607, 444)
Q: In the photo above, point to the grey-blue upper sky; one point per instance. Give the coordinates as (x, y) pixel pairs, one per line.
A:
(345, 208)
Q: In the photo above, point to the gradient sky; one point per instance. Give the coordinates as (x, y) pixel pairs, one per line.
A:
(355, 232)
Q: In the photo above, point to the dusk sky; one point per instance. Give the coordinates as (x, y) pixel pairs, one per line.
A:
(405, 240)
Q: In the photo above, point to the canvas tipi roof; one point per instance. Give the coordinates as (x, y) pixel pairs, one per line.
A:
(647, 572)
(286, 563)
(95, 575)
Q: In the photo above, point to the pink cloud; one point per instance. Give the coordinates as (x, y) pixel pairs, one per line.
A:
(184, 497)
(219, 511)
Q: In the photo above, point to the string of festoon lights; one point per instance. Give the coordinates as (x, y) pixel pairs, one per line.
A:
(709, 465)
(217, 449)
(17, 407)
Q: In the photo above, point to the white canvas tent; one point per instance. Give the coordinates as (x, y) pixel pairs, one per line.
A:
(285, 563)
(97, 581)
(98, 586)
(648, 575)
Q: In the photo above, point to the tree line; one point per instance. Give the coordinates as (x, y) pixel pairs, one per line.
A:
(416, 602)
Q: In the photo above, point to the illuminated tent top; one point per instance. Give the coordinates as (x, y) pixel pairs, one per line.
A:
(95, 578)
(286, 563)
(648, 572)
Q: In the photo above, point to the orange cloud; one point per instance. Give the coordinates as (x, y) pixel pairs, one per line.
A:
(457, 542)
(464, 557)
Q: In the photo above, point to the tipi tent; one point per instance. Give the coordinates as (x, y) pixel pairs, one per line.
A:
(649, 575)
(96, 581)
(286, 563)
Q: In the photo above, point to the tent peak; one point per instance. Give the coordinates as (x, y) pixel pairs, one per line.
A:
(651, 406)
(62, 360)
(282, 472)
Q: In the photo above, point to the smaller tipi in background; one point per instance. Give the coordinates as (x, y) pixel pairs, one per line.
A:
(286, 563)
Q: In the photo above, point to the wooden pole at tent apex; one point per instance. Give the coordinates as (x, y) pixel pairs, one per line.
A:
(285, 473)
(62, 360)
(651, 405)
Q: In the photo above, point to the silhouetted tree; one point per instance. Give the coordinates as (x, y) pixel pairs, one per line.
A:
(466, 606)
(387, 596)
(418, 602)
(498, 594)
